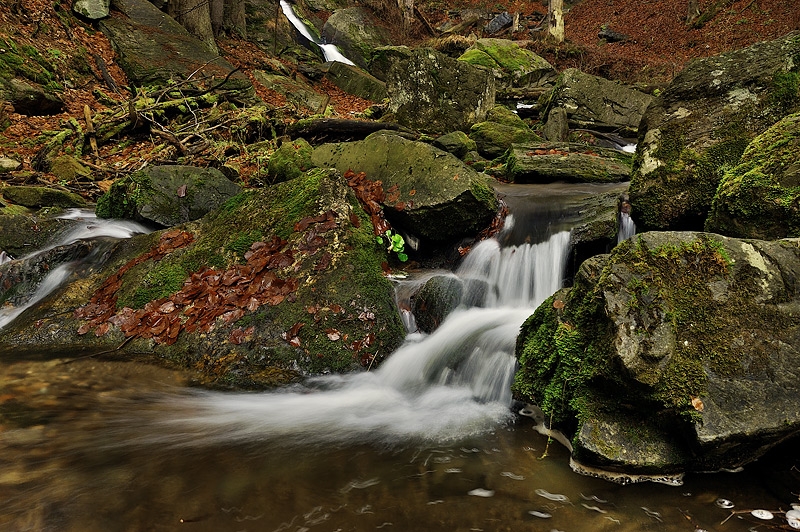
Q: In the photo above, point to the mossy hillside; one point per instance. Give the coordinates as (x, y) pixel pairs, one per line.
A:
(640, 330)
(25, 61)
(760, 197)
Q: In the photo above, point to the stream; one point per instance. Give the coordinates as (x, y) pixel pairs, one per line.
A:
(427, 441)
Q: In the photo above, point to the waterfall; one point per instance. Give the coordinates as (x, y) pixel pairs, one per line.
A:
(627, 228)
(329, 51)
(440, 387)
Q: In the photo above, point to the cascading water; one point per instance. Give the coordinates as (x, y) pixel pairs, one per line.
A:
(444, 386)
(330, 51)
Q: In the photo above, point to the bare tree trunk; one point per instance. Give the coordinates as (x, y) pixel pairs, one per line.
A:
(407, 9)
(235, 18)
(555, 15)
(217, 11)
(693, 12)
(195, 16)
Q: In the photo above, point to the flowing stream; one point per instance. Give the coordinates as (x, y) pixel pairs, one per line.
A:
(427, 441)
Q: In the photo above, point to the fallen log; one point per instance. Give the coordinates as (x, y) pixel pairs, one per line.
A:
(342, 129)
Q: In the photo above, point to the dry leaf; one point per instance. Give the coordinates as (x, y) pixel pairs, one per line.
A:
(697, 404)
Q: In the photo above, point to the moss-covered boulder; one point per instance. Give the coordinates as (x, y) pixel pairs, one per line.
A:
(678, 351)
(595, 102)
(501, 129)
(278, 283)
(512, 65)
(698, 128)
(167, 195)
(355, 81)
(456, 142)
(561, 161)
(23, 234)
(384, 57)
(289, 161)
(434, 93)
(760, 197)
(429, 193)
(37, 197)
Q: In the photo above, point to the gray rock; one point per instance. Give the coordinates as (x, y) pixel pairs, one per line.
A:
(561, 161)
(556, 128)
(37, 197)
(30, 100)
(384, 57)
(355, 81)
(438, 94)
(9, 165)
(167, 195)
(456, 142)
(437, 298)
(595, 102)
(92, 9)
(689, 349)
(701, 124)
(499, 23)
(352, 31)
(438, 197)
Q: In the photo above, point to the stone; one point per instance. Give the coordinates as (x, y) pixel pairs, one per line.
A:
(438, 198)
(68, 168)
(37, 197)
(499, 23)
(571, 162)
(687, 346)
(493, 139)
(9, 165)
(354, 33)
(437, 298)
(92, 9)
(456, 142)
(434, 93)
(700, 125)
(30, 100)
(760, 197)
(167, 195)
(384, 57)
(356, 81)
(595, 102)
(512, 65)
(290, 160)
(556, 128)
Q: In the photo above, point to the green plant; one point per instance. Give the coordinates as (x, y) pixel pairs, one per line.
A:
(395, 242)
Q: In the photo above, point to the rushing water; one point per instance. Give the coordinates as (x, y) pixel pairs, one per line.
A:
(425, 442)
(329, 51)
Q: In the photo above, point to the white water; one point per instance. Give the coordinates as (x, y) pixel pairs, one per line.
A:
(88, 227)
(627, 228)
(443, 387)
(330, 51)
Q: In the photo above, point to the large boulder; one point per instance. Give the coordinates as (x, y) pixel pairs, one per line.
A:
(435, 93)
(513, 67)
(167, 195)
(562, 161)
(678, 351)
(501, 129)
(36, 197)
(153, 49)
(430, 193)
(278, 283)
(355, 34)
(598, 103)
(698, 128)
(760, 197)
(355, 81)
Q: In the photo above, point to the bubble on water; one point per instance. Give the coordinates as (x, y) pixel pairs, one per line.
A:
(762, 514)
(511, 475)
(557, 497)
(480, 492)
(540, 515)
(724, 503)
(793, 518)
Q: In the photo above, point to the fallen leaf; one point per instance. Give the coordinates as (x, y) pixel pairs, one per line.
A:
(697, 404)
(181, 191)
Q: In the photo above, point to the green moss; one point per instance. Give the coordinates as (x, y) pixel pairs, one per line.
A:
(479, 58)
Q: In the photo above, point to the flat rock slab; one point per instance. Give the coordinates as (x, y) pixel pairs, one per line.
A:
(550, 162)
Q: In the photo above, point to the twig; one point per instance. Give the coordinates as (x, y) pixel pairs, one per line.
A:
(120, 346)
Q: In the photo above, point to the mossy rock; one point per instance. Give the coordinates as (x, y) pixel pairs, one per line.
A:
(167, 195)
(760, 197)
(290, 160)
(512, 66)
(493, 139)
(340, 287)
(690, 336)
(456, 142)
(37, 197)
(697, 129)
(571, 162)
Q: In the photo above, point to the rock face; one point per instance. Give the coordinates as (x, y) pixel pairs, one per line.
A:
(562, 161)
(430, 193)
(760, 197)
(678, 351)
(700, 125)
(435, 93)
(278, 283)
(596, 102)
(167, 195)
(154, 49)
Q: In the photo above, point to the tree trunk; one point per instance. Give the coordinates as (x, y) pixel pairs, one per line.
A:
(217, 11)
(195, 16)
(407, 10)
(235, 18)
(693, 12)
(555, 15)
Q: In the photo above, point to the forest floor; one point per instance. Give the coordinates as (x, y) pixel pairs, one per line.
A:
(659, 45)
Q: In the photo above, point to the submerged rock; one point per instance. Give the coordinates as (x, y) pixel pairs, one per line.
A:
(678, 351)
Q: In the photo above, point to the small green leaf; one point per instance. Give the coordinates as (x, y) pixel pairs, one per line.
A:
(402, 256)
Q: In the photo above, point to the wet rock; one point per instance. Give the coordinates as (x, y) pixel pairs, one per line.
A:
(352, 31)
(701, 124)
(167, 195)
(36, 197)
(23, 234)
(435, 93)
(437, 197)
(688, 349)
(571, 162)
(437, 298)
